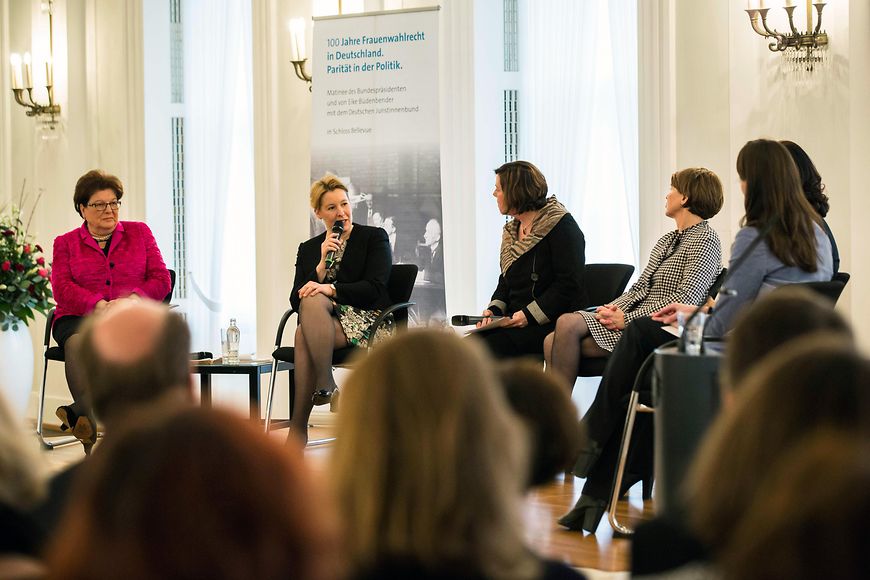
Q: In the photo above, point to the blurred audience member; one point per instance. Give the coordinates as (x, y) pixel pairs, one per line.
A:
(800, 528)
(429, 466)
(136, 353)
(543, 404)
(185, 493)
(774, 320)
(817, 382)
(22, 484)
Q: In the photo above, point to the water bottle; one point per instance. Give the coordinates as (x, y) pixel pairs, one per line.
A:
(233, 336)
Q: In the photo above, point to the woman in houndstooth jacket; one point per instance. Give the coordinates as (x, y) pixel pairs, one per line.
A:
(682, 267)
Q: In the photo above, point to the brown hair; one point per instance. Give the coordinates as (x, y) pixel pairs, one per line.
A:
(809, 517)
(703, 189)
(116, 388)
(523, 185)
(444, 459)
(90, 183)
(546, 408)
(193, 493)
(775, 200)
(322, 186)
(788, 312)
(817, 381)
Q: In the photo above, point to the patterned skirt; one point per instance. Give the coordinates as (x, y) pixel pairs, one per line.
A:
(356, 324)
(604, 338)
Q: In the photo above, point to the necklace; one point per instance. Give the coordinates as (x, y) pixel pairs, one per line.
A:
(100, 239)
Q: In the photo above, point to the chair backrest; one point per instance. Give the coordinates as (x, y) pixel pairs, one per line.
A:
(400, 286)
(830, 290)
(605, 282)
(842, 277)
(717, 283)
(168, 298)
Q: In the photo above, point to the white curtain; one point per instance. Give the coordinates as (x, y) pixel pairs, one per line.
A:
(578, 115)
(558, 45)
(623, 44)
(218, 169)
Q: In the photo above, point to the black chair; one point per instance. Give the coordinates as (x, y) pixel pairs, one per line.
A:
(604, 282)
(56, 353)
(399, 286)
(831, 289)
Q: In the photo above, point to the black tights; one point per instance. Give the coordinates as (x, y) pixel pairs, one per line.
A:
(317, 335)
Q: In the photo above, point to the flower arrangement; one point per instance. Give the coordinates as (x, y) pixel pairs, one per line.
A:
(24, 275)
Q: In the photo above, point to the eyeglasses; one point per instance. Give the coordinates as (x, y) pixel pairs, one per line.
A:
(101, 206)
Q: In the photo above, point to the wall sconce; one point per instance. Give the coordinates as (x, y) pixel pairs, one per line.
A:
(297, 50)
(809, 41)
(22, 78)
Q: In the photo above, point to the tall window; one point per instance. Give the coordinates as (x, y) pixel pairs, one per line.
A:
(199, 159)
(578, 115)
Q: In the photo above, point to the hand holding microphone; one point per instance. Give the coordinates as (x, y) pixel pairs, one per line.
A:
(332, 242)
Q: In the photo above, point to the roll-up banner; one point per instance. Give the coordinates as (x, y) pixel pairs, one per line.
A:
(375, 126)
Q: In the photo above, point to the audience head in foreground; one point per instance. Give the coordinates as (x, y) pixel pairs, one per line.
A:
(809, 518)
(813, 383)
(787, 313)
(540, 400)
(430, 464)
(183, 493)
(136, 353)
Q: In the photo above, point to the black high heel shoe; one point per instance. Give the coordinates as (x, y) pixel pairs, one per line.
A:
(585, 515)
(85, 430)
(68, 417)
(324, 396)
(630, 479)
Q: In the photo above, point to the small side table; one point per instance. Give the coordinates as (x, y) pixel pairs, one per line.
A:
(252, 369)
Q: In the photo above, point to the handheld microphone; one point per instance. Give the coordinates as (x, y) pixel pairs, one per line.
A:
(337, 228)
(467, 320)
(724, 290)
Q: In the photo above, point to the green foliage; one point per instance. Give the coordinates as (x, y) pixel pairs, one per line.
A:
(24, 274)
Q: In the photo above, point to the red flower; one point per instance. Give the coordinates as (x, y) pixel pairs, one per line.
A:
(31, 289)
(41, 261)
(6, 265)
(26, 248)
(8, 233)
(38, 248)
(19, 267)
(42, 272)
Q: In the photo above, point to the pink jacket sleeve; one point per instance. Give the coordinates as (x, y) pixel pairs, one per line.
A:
(74, 297)
(157, 282)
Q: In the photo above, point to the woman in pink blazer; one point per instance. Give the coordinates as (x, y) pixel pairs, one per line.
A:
(95, 265)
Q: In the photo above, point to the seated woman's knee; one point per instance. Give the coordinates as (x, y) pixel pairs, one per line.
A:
(316, 301)
(569, 325)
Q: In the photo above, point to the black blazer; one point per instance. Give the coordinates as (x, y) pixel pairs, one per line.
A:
(362, 277)
(547, 280)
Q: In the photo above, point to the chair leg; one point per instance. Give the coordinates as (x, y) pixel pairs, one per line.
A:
(40, 413)
(268, 420)
(620, 466)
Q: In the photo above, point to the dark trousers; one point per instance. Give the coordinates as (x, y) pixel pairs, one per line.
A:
(606, 416)
(516, 342)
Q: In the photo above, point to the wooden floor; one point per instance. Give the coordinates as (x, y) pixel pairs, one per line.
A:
(593, 552)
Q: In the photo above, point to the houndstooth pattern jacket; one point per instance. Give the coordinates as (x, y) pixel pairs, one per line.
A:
(682, 267)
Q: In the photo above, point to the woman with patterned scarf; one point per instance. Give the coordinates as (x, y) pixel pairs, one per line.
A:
(542, 261)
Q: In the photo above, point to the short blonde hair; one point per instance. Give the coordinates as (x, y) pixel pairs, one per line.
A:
(444, 459)
(22, 478)
(322, 186)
